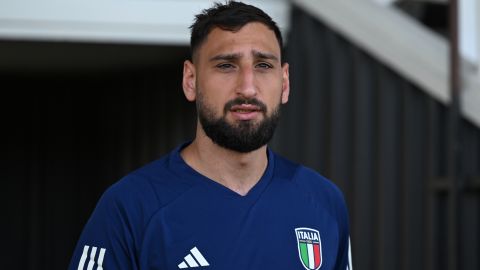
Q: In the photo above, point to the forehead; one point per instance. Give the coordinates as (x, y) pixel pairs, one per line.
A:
(251, 37)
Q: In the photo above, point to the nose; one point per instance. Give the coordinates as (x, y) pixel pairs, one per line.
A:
(246, 83)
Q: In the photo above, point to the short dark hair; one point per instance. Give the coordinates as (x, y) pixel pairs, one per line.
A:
(231, 16)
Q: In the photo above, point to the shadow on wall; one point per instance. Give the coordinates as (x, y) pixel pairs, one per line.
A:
(71, 129)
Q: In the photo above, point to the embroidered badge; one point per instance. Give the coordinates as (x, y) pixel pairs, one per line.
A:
(309, 248)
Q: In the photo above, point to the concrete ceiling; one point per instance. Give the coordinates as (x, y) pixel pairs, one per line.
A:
(36, 56)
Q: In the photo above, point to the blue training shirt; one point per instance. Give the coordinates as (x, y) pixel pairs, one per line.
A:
(167, 216)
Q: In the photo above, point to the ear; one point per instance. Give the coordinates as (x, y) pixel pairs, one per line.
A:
(189, 81)
(285, 83)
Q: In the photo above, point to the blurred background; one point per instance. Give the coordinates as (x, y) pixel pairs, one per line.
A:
(385, 102)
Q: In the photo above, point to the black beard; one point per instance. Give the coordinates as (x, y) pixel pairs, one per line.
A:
(243, 137)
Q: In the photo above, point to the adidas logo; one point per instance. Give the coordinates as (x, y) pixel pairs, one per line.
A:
(194, 259)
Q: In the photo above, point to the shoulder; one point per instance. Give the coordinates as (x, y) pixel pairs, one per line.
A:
(309, 178)
(304, 176)
(144, 191)
(311, 183)
(125, 209)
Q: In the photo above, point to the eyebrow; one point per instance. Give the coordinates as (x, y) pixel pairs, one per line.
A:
(235, 56)
(263, 55)
(228, 56)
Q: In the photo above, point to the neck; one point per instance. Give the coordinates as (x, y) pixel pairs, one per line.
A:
(238, 172)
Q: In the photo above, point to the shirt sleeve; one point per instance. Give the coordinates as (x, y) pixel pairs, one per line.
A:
(344, 259)
(107, 240)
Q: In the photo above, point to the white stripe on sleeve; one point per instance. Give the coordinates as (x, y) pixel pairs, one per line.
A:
(83, 258)
(91, 263)
(100, 258)
(349, 266)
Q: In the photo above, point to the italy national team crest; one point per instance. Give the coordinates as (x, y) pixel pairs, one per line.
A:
(309, 248)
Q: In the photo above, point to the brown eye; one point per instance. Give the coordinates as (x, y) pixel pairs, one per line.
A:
(225, 66)
(264, 65)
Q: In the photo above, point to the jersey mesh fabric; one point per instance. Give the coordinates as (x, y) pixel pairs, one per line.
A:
(166, 215)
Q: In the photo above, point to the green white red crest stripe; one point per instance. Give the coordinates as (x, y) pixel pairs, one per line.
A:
(309, 248)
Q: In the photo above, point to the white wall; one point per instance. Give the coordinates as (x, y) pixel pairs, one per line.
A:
(412, 50)
(469, 29)
(126, 21)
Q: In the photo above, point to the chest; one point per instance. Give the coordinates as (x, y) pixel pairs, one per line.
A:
(281, 229)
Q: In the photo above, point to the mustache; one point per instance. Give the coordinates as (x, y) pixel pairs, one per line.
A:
(240, 101)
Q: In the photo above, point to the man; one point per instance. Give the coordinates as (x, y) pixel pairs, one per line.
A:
(223, 201)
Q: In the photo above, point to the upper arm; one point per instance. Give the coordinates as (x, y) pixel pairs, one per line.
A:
(107, 240)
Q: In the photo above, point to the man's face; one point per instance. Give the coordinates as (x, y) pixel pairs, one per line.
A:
(238, 83)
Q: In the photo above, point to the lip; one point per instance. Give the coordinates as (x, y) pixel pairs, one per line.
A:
(245, 112)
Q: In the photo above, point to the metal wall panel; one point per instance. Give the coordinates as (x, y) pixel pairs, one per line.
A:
(384, 142)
